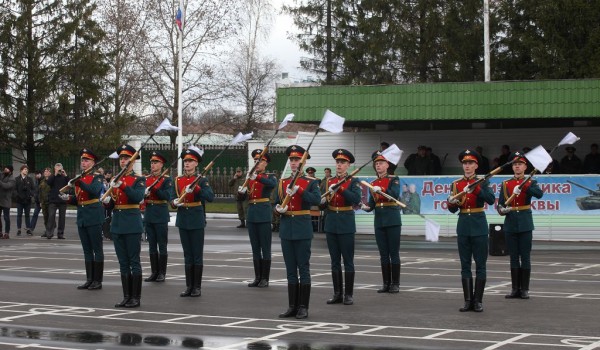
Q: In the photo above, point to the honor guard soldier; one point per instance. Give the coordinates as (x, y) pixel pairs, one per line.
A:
(190, 220)
(471, 228)
(518, 224)
(90, 217)
(340, 226)
(296, 233)
(387, 222)
(156, 219)
(126, 228)
(259, 218)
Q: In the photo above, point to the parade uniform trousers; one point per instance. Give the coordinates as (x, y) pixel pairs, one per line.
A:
(259, 220)
(156, 222)
(387, 235)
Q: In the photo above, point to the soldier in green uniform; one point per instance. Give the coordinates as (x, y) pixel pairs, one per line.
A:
(518, 224)
(388, 223)
(156, 219)
(340, 226)
(241, 199)
(260, 186)
(90, 216)
(471, 228)
(296, 232)
(126, 227)
(190, 220)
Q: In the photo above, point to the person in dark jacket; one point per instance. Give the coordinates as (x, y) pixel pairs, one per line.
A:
(56, 181)
(24, 188)
(7, 186)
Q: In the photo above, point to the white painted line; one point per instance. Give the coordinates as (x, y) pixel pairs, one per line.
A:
(239, 322)
(370, 330)
(591, 346)
(507, 341)
(579, 269)
(179, 318)
(435, 335)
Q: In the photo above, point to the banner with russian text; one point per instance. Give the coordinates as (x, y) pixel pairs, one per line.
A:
(563, 195)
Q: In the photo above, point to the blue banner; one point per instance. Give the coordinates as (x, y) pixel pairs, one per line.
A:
(563, 195)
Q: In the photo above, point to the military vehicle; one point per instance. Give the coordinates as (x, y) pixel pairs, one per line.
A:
(590, 202)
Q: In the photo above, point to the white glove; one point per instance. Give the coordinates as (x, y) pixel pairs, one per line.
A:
(323, 200)
(281, 209)
(147, 192)
(176, 202)
(70, 183)
(504, 210)
(333, 189)
(364, 207)
(242, 189)
(116, 184)
(252, 176)
(106, 200)
(517, 190)
(188, 189)
(64, 196)
(377, 189)
(452, 200)
(292, 191)
(468, 189)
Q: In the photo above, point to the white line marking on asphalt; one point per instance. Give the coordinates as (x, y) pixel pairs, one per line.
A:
(435, 335)
(507, 341)
(578, 269)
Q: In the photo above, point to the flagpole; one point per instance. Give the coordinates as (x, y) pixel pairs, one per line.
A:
(179, 89)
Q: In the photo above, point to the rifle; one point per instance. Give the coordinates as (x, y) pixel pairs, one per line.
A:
(292, 183)
(482, 179)
(402, 205)
(512, 196)
(83, 173)
(346, 178)
(158, 178)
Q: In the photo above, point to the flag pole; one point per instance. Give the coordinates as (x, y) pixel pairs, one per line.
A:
(179, 88)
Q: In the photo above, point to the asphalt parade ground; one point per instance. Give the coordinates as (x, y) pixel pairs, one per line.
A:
(40, 308)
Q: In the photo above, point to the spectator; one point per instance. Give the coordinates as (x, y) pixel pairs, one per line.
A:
(43, 191)
(37, 179)
(503, 159)
(552, 168)
(418, 163)
(310, 171)
(484, 166)
(241, 199)
(108, 208)
(24, 188)
(327, 172)
(56, 182)
(570, 164)
(591, 162)
(436, 165)
(413, 201)
(7, 186)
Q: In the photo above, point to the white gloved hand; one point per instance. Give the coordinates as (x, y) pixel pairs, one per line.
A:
(292, 191)
(377, 189)
(64, 196)
(364, 207)
(468, 189)
(147, 191)
(71, 183)
(323, 200)
(177, 203)
(281, 209)
(116, 184)
(452, 200)
(188, 189)
(106, 200)
(517, 190)
(333, 188)
(252, 176)
(242, 189)
(504, 210)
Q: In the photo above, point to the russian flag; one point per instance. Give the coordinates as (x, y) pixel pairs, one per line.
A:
(178, 18)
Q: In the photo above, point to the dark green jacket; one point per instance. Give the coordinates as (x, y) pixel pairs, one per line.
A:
(129, 221)
(342, 222)
(389, 215)
(92, 214)
(522, 220)
(261, 212)
(192, 218)
(159, 213)
(299, 226)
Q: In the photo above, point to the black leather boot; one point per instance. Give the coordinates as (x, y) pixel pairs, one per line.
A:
(136, 291)
(189, 270)
(525, 276)
(242, 224)
(89, 273)
(386, 272)
(98, 272)
(126, 284)
(257, 270)
(395, 284)
(292, 301)
(478, 296)
(515, 280)
(348, 299)
(153, 267)
(197, 285)
(467, 285)
(304, 300)
(162, 267)
(338, 287)
(265, 268)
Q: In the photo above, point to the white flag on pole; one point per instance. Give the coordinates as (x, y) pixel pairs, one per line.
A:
(432, 230)
(539, 158)
(569, 139)
(166, 125)
(241, 138)
(392, 154)
(114, 155)
(332, 122)
(288, 118)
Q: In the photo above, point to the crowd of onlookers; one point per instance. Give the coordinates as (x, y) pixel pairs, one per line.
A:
(40, 192)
